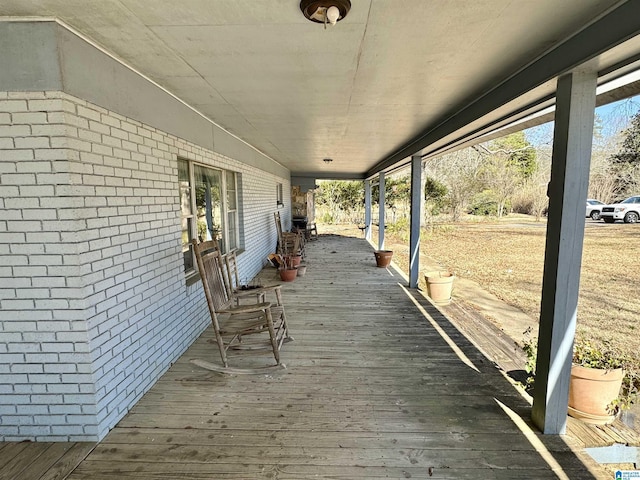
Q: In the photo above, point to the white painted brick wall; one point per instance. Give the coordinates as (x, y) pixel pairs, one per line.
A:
(37, 318)
(93, 301)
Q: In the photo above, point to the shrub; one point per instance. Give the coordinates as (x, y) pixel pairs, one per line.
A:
(399, 228)
(327, 218)
(523, 205)
(435, 194)
(484, 203)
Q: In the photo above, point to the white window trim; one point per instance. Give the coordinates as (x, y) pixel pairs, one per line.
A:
(193, 272)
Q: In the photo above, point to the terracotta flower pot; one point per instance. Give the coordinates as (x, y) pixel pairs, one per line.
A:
(288, 274)
(439, 286)
(293, 260)
(383, 258)
(591, 390)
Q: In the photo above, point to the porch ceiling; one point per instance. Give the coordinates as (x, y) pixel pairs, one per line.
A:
(360, 92)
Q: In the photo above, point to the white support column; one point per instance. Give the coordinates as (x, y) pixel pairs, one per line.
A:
(415, 217)
(575, 104)
(367, 209)
(381, 211)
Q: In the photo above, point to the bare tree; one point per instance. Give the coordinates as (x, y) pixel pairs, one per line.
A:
(502, 178)
(616, 153)
(459, 171)
(509, 162)
(537, 188)
(603, 185)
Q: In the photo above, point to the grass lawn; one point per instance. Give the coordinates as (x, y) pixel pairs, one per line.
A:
(506, 257)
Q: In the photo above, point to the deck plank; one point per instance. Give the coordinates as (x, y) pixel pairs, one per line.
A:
(56, 462)
(41, 460)
(12, 468)
(371, 390)
(68, 462)
(374, 388)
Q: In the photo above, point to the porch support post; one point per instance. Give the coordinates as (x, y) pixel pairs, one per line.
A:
(381, 212)
(367, 209)
(414, 219)
(573, 132)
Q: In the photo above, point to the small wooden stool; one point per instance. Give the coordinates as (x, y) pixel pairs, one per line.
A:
(311, 231)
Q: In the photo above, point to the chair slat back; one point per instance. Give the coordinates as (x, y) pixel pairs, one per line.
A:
(233, 276)
(276, 216)
(289, 243)
(209, 261)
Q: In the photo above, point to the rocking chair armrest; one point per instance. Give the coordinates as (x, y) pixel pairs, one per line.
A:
(247, 308)
(257, 291)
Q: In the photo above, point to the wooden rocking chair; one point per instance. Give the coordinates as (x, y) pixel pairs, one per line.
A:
(289, 243)
(233, 324)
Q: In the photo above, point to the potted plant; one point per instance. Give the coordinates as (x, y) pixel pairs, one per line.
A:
(603, 381)
(295, 260)
(288, 271)
(290, 260)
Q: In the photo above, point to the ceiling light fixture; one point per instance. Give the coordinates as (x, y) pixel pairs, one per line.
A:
(327, 160)
(325, 11)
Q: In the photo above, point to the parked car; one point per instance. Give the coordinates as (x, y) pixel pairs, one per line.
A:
(628, 211)
(593, 208)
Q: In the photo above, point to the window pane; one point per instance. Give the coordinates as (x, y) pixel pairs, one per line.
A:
(208, 188)
(183, 170)
(185, 188)
(232, 230)
(232, 199)
(186, 244)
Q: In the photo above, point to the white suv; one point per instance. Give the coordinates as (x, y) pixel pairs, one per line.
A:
(627, 211)
(593, 208)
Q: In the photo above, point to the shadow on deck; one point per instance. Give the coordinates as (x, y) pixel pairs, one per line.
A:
(379, 384)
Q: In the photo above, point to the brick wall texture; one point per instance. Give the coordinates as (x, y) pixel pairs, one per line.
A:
(93, 301)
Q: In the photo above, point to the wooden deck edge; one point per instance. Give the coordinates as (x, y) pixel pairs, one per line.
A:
(502, 351)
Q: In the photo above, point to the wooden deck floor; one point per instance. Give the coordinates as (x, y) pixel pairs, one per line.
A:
(378, 385)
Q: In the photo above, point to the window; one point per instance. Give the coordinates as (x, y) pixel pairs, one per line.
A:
(232, 211)
(279, 199)
(209, 208)
(186, 213)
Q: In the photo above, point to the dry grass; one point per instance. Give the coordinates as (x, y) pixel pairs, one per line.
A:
(507, 258)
